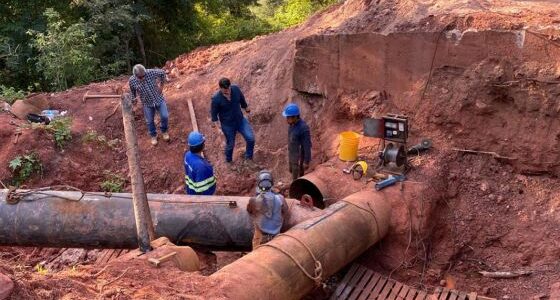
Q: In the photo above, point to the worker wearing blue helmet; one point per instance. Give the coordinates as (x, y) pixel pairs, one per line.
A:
(299, 141)
(199, 174)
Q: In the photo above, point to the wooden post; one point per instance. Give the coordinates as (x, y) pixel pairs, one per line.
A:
(142, 215)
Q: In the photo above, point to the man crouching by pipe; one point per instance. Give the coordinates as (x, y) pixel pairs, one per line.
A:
(268, 210)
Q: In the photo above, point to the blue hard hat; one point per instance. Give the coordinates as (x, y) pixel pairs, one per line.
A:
(195, 139)
(291, 110)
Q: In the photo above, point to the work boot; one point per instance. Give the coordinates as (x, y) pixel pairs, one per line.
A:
(154, 140)
(165, 136)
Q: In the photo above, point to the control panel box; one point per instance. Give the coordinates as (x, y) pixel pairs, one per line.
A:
(395, 128)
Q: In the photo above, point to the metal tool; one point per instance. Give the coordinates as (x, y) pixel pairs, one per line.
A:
(424, 145)
(389, 181)
(158, 261)
(88, 96)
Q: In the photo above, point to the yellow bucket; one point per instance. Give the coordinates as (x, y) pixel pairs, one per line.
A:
(348, 149)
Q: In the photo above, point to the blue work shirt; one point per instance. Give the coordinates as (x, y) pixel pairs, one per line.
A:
(199, 175)
(228, 111)
(299, 143)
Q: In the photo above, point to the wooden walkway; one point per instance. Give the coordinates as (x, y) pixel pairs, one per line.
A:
(361, 283)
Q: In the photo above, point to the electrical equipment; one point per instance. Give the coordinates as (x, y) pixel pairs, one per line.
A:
(392, 129)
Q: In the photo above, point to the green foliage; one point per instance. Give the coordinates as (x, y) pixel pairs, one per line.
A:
(24, 166)
(53, 45)
(61, 130)
(112, 183)
(10, 94)
(293, 12)
(92, 136)
(219, 28)
(65, 52)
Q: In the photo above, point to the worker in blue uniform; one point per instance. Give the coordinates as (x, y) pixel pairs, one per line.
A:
(299, 141)
(226, 107)
(199, 174)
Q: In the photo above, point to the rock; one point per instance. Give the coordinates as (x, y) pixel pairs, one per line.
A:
(485, 290)
(484, 186)
(6, 286)
(443, 282)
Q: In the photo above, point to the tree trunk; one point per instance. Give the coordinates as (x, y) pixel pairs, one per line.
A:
(138, 31)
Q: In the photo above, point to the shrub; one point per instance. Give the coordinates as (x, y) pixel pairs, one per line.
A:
(113, 183)
(24, 166)
(60, 129)
(92, 136)
(10, 94)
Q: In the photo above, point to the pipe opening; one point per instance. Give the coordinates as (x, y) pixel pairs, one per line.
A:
(302, 186)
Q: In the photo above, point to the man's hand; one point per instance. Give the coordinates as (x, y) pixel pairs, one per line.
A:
(214, 125)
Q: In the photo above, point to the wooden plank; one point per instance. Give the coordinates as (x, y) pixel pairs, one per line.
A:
(369, 287)
(462, 296)
(378, 287)
(411, 294)
(360, 286)
(444, 294)
(353, 281)
(344, 281)
(421, 295)
(453, 295)
(387, 289)
(404, 291)
(396, 290)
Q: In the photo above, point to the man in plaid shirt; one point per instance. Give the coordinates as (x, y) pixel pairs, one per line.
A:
(148, 85)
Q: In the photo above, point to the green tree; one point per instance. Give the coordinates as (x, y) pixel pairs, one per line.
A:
(65, 52)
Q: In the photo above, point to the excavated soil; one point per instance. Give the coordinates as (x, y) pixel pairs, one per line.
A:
(479, 75)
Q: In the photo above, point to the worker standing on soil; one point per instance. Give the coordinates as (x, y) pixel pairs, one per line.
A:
(299, 141)
(268, 210)
(226, 107)
(148, 85)
(199, 174)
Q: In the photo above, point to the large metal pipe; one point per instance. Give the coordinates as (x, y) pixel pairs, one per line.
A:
(66, 219)
(342, 233)
(325, 185)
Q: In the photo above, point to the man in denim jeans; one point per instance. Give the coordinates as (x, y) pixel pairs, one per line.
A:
(226, 107)
(148, 84)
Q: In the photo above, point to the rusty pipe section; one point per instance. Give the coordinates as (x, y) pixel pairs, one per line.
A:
(345, 230)
(93, 220)
(325, 185)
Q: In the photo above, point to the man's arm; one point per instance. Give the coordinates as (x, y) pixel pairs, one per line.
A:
(251, 206)
(160, 74)
(285, 208)
(132, 91)
(306, 141)
(242, 101)
(214, 110)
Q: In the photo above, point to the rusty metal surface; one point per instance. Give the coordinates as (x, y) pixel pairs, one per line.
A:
(311, 185)
(144, 225)
(342, 233)
(61, 219)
